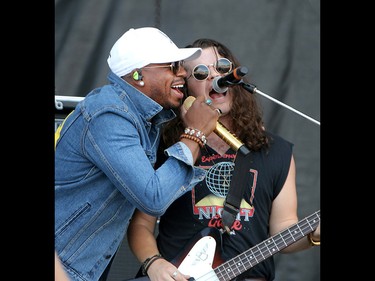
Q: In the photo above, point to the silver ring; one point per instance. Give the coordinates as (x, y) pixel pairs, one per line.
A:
(218, 110)
(174, 274)
(208, 101)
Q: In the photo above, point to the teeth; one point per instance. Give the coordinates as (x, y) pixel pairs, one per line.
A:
(178, 86)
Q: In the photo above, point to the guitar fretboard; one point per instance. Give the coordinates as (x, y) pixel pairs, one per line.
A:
(234, 267)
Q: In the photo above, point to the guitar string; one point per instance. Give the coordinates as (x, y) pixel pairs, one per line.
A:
(292, 234)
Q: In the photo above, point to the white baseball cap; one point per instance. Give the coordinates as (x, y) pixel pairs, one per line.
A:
(139, 47)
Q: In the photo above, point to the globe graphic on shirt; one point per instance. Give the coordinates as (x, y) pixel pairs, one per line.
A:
(218, 178)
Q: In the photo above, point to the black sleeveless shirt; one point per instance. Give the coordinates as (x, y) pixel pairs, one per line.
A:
(199, 210)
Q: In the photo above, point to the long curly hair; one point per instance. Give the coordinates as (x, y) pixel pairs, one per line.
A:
(247, 123)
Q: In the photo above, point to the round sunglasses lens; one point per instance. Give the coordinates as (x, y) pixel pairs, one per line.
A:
(200, 72)
(223, 66)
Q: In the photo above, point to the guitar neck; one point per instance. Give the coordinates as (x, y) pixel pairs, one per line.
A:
(243, 262)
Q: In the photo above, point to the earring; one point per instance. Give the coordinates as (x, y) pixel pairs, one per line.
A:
(137, 76)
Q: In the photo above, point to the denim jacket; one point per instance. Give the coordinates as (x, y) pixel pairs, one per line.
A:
(104, 162)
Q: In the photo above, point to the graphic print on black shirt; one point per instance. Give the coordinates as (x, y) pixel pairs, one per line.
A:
(208, 196)
(196, 210)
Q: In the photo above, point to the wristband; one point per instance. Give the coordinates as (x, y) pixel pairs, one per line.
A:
(148, 262)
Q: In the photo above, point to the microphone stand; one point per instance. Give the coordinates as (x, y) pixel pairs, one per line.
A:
(252, 88)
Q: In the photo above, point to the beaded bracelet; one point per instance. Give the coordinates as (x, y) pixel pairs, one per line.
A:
(146, 264)
(193, 138)
(197, 133)
(312, 241)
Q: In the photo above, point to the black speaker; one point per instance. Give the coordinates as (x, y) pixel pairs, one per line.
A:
(63, 106)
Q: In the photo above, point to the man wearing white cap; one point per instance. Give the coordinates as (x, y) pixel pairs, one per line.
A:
(106, 150)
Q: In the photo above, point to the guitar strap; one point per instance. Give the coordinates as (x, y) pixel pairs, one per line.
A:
(240, 179)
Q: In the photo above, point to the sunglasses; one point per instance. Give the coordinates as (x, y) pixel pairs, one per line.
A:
(201, 71)
(174, 66)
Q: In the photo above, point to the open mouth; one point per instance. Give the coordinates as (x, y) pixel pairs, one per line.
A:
(215, 95)
(178, 88)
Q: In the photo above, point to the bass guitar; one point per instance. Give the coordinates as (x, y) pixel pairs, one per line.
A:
(203, 262)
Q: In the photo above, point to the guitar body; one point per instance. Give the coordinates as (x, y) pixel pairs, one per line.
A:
(203, 256)
(201, 259)
(211, 242)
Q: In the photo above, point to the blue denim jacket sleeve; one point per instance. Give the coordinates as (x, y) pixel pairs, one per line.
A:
(186, 152)
(104, 168)
(115, 143)
(116, 149)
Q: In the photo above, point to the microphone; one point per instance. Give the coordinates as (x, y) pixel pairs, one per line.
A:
(220, 83)
(222, 132)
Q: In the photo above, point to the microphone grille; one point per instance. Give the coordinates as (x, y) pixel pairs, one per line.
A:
(216, 86)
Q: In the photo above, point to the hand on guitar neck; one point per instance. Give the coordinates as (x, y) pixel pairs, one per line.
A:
(202, 261)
